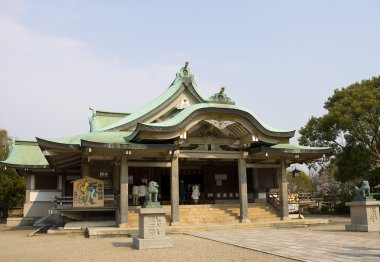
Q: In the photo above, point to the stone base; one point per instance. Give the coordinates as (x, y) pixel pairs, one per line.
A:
(365, 216)
(363, 228)
(141, 243)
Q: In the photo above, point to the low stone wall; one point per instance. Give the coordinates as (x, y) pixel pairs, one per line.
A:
(37, 209)
(20, 221)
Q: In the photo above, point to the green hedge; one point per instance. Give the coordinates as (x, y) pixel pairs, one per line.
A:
(376, 195)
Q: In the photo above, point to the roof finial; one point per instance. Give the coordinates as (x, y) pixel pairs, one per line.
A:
(221, 97)
(185, 72)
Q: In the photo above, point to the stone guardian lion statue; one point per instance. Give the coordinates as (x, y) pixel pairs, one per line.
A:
(152, 195)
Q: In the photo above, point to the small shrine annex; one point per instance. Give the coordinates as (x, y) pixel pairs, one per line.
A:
(227, 150)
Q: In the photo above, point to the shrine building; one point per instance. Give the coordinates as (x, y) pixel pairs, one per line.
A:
(237, 160)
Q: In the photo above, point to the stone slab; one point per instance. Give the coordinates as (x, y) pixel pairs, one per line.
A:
(363, 203)
(363, 228)
(141, 243)
(84, 224)
(298, 245)
(152, 210)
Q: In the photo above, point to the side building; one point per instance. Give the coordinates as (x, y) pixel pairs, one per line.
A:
(181, 137)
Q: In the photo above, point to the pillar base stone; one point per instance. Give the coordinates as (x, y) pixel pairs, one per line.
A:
(141, 243)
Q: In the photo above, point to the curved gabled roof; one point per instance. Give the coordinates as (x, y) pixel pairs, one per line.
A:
(222, 110)
(180, 83)
(98, 137)
(25, 154)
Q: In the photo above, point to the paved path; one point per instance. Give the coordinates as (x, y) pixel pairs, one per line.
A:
(303, 246)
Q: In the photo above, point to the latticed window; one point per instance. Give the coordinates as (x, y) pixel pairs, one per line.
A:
(49, 182)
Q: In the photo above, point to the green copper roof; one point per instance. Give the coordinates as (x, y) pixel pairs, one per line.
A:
(99, 137)
(26, 154)
(180, 81)
(101, 119)
(298, 147)
(190, 109)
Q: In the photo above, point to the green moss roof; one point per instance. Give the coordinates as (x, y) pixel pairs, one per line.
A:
(26, 154)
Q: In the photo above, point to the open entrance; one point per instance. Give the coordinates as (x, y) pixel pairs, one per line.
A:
(143, 175)
(217, 180)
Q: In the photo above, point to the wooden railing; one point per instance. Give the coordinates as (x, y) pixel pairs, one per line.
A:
(67, 201)
(273, 200)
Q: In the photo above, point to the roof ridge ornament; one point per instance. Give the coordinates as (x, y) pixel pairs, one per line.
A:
(221, 97)
(184, 75)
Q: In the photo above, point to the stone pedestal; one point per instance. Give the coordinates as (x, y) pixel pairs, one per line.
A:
(364, 216)
(152, 232)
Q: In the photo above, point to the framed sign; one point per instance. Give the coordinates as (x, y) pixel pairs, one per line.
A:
(88, 192)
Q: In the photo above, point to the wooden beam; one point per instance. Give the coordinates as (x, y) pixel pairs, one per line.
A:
(210, 154)
(250, 165)
(149, 164)
(210, 140)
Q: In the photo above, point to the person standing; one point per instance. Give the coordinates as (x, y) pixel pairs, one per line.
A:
(135, 194)
(195, 194)
(142, 193)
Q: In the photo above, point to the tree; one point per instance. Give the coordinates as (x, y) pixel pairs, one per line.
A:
(300, 184)
(351, 127)
(12, 185)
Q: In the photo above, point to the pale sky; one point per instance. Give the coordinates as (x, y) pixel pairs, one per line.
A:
(280, 59)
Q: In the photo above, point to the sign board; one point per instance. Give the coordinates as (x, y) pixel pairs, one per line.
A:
(88, 192)
(220, 176)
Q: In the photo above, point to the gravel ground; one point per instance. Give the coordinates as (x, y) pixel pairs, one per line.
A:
(15, 245)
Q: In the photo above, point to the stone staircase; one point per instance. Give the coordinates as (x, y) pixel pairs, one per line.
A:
(257, 212)
(213, 214)
(206, 214)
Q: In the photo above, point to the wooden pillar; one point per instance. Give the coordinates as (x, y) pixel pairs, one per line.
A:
(85, 171)
(283, 190)
(123, 201)
(116, 178)
(59, 182)
(32, 182)
(64, 184)
(243, 194)
(256, 182)
(174, 191)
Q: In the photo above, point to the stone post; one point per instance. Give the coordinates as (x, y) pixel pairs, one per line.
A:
(283, 191)
(123, 201)
(243, 195)
(174, 184)
(365, 216)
